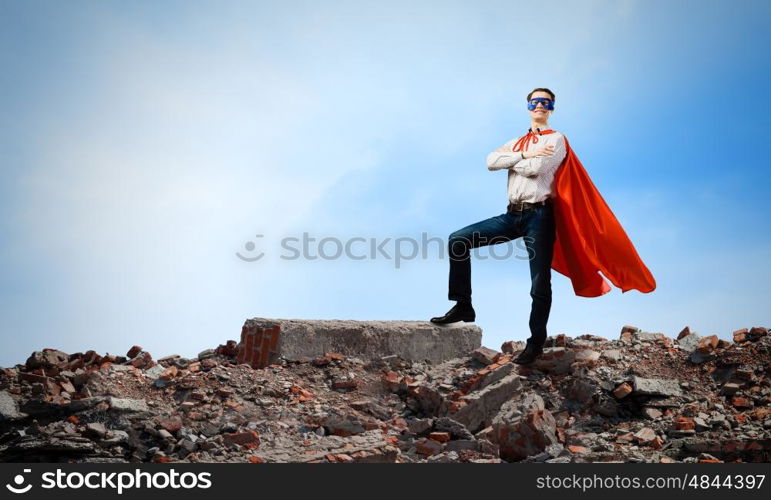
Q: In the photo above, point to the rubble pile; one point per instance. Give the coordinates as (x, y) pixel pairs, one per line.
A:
(643, 397)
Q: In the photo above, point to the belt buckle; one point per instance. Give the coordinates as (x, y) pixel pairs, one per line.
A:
(517, 206)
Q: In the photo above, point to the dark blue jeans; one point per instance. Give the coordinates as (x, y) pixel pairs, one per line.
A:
(536, 227)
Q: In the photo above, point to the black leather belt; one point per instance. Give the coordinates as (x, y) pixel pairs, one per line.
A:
(522, 206)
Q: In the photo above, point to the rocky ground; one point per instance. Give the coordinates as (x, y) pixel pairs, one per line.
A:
(644, 397)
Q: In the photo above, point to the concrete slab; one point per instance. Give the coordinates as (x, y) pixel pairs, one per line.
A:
(263, 340)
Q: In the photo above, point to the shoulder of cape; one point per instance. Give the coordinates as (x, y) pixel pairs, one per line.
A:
(557, 135)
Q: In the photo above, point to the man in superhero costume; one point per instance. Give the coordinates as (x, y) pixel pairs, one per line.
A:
(564, 221)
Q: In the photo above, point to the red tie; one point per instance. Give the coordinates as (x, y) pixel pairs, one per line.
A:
(524, 142)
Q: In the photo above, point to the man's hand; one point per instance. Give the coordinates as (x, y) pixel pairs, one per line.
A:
(542, 151)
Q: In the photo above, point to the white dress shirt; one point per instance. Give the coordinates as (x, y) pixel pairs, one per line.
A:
(530, 180)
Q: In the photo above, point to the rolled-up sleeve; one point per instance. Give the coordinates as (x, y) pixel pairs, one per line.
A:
(533, 167)
(503, 157)
(499, 161)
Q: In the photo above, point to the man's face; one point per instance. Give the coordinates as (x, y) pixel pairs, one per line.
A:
(539, 113)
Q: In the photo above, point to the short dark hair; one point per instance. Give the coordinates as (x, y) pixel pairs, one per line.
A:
(541, 90)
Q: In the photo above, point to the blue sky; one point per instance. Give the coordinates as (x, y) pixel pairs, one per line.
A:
(143, 144)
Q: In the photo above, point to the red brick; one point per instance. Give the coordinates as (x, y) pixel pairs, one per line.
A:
(247, 438)
(740, 402)
(645, 435)
(740, 335)
(169, 373)
(707, 344)
(683, 424)
(622, 391)
(456, 405)
(263, 356)
(428, 447)
(441, 437)
(67, 386)
(171, 424)
(345, 384)
(132, 353)
(258, 346)
(508, 347)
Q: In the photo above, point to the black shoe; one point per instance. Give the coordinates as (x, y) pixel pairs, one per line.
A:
(529, 355)
(462, 311)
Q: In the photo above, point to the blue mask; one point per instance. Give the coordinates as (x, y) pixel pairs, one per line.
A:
(548, 104)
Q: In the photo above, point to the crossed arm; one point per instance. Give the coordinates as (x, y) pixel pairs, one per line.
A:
(542, 159)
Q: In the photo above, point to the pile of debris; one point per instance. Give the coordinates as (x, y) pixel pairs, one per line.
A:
(641, 398)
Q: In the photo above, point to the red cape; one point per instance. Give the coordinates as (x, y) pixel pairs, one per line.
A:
(589, 237)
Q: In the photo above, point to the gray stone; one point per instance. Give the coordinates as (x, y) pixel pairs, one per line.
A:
(689, 342)
(651, 413)
(9, 409)
(462, 444)
(698, 357)
(128, 405)
(555, 450)
(46, 359)
(84, 404)
(484, 355)
(419, 425)
(664, 402)
(95, 429)
(208, 353)
(117, 368)
(496, 375)
(582, 390)
(154, 371)
(187, 446)
(605, 405)
(371, 340)
(586, 356)
(444, 458)
(342, 425)
(612, 354)
(730, 388)
(524, 428)
(701, 424)
(164, 434)
(655, 387)
(49, 444)
(650, 337)
(455, 428)
(555, 360)
(481, 406)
